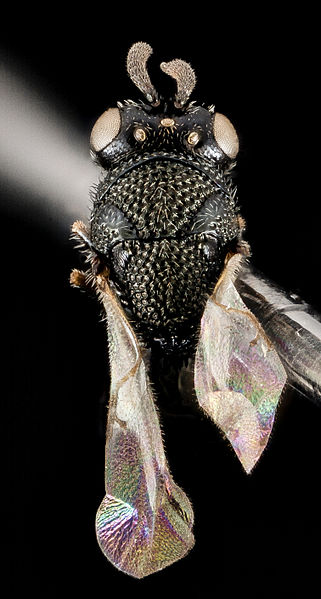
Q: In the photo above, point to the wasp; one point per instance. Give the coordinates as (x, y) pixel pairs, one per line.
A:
(169, 264)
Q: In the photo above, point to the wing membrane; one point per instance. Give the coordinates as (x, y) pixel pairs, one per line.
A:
(144, 522)
(292, 325)
(238, 374)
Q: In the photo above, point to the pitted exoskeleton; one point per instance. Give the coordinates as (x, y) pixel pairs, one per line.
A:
(165, 214)
(165, 248)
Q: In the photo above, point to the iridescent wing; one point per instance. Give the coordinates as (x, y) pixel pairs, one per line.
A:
(238, 374)
(293, 326)
(144, 522)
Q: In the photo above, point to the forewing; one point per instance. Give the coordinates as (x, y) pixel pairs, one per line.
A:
(238, 374)
(292, 325)
(144, 522)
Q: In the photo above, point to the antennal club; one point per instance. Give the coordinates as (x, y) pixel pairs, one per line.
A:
(136, 66)
(185, 77)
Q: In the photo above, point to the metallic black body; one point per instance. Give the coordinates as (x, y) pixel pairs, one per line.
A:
(164, 218)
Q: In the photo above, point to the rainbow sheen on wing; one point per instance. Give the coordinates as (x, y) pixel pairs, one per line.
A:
(238, 374)
(145, 520)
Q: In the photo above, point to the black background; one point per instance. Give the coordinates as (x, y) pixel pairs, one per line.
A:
(258, 533)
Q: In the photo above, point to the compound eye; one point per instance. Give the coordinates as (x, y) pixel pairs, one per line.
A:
(225, 135)
(105, 129)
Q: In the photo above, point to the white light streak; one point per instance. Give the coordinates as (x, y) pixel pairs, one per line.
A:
(43, 154)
